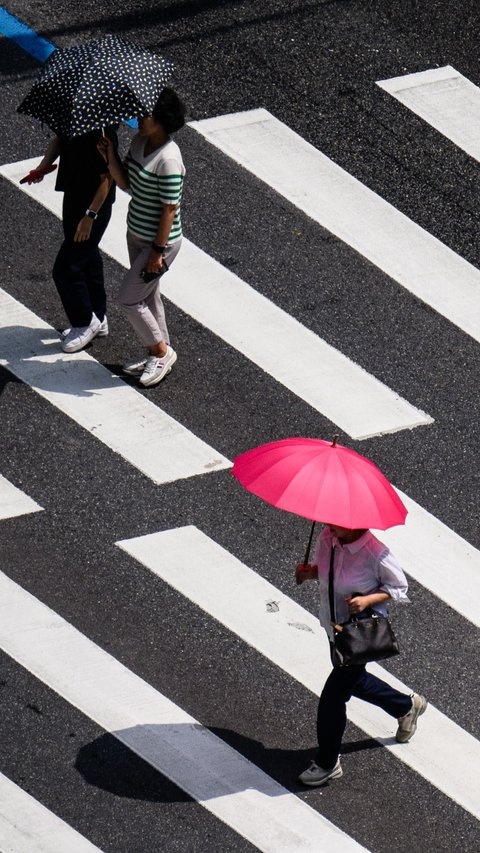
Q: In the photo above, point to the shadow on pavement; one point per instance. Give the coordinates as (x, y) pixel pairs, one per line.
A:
(112, 765)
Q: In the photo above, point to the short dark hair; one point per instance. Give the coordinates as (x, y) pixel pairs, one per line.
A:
(169, 111)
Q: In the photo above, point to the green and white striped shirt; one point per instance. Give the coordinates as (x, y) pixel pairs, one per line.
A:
(155, 180)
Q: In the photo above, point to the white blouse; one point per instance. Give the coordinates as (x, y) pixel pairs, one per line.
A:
(364, 566)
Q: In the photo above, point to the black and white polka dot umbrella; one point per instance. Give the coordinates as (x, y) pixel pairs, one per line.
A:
(96, 84)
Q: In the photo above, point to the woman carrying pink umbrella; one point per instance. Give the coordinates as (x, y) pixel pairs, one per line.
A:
(357, 574)
(367, 575)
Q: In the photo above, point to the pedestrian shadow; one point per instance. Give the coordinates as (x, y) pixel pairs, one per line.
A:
(35, 356)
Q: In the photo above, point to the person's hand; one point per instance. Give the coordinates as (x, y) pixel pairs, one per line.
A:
(84, 229)
(305, 572)
(357, 604)
(105, 148)
(154, 262)
(37, 175)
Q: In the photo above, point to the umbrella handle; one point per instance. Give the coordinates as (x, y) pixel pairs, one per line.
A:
(307, 552)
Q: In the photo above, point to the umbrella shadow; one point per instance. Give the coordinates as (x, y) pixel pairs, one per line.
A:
(111, 762)
(185, 751)
(36, 358)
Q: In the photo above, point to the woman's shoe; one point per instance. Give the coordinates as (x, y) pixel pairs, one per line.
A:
(407, 725)
(315, 775)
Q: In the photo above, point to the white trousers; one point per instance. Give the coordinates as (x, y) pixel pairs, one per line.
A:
(142, 302)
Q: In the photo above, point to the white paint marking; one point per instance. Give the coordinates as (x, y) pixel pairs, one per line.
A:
(361, 405)
(13, 501)
(103, 404)
(173, 742)
(237, 597)
(26, 826)
(351, 211)
(438, 558)
(446, 100)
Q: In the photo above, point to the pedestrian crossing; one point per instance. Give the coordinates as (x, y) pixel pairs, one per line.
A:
(292, 638)
(185, 558)
(340, 203)
(160, 732)
(28, 827)
(361, 406)
(13, 501)
(446, 100)
(103, 404)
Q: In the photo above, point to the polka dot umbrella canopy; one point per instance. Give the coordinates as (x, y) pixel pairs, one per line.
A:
(95, 84)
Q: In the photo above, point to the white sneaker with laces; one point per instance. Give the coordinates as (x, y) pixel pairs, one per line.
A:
(315, 775)
(102, 332)
(407, 725)
(157, 367)
(134, 368)
(78, 338)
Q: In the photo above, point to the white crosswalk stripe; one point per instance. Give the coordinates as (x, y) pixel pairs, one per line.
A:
(28, 827)
(361, 406)
(446, 100)
(406, 252)
(13, 501)
(292, 638)
(160, 732)
(103, 404)
(435, 555)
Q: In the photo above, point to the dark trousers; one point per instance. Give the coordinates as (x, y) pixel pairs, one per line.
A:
(343, 683)
(78, 268)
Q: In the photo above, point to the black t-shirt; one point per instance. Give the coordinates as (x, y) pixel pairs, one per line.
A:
(81, 166)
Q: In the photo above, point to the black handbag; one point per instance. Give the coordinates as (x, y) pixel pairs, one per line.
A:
(362, 639)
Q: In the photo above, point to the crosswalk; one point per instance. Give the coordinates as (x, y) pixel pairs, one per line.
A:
(446, 100)
(159, 731)
(28, 827)
(362, 406)
(13, 501)
(292, 638)
(341, 204)
(187, 559)
(100, 402)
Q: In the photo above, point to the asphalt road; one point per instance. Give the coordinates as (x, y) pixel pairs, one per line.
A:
(314, 66)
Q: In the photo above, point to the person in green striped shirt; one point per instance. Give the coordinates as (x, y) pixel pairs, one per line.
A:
(153, 171)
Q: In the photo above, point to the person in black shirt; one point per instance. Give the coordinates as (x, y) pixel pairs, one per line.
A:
(89, 193)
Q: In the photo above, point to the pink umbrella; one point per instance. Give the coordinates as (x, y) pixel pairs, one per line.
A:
(321, 481)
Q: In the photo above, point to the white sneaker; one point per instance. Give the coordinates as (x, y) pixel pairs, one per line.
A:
(157, 367)
(102, 332)
(315, 775)
(77, 339)
(407, 725)
(134, 368)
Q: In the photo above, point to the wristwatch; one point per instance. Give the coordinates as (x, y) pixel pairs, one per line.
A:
(91, 214)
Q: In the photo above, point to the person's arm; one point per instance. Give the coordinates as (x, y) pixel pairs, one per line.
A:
(117, 171)
(393, 585)
(51, 154)
(361, 602)
(155, 258)
(84, 227)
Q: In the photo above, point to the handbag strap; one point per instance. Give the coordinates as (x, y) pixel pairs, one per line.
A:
(330, 586)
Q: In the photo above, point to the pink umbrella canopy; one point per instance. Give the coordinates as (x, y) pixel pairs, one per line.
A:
(322, 481)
